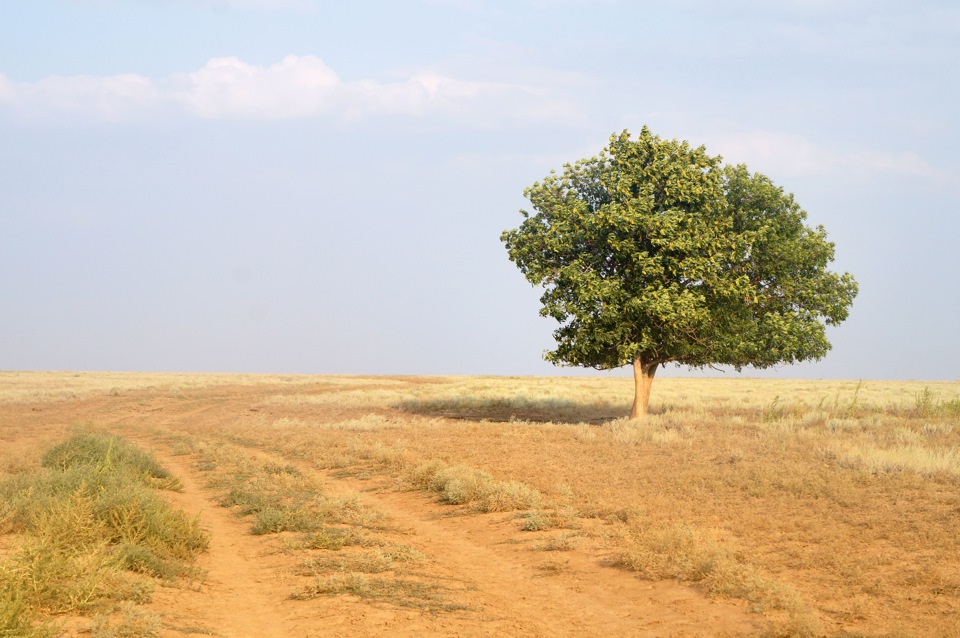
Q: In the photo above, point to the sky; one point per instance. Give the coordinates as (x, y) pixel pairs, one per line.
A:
(310, 186)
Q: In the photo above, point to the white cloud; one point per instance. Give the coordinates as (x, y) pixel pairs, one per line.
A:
(295, 87)
(109, 98)
(229, 87)
(792, 155)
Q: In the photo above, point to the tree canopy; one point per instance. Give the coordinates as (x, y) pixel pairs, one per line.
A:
(654, 252)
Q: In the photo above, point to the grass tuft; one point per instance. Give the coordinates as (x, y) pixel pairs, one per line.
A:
(460, 484)
(129, 621)
(403, 593)
(685, 553)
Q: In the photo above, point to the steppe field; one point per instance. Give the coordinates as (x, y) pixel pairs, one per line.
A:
(293, 506)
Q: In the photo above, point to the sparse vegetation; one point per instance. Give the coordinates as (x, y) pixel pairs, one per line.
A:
(281, 498)
(128, 621)
(829, 506)
(404, 593)
(560, 543)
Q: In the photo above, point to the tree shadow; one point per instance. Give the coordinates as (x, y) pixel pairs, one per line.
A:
(504, 410)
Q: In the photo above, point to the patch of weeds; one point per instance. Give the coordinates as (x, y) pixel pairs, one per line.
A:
(460, 484)
(192, 629)
(129, 621)
(403, 553)
(374, 562)
(180, 448)
(382, 559)
(333, 538)
(247, 501)
(271, 467)
(684, 553)
(273, 520)
(279, 496)
(205, 465)
(89, 524)
(403, 593)
(536, 521)
(556, 566)
(927, 405)
(110, 452)
(145, 560)
(565, 517)
(559, 543)
(803, 625)
(17, 618)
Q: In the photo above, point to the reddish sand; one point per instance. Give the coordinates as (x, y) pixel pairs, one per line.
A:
(491, 568)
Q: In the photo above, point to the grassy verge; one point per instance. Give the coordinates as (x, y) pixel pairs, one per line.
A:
(93, 532)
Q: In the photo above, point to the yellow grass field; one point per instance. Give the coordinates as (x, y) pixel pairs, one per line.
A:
(491, 506)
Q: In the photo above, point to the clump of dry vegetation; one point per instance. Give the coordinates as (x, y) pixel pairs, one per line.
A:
(460, 484)
(400, 592)
(93, 531)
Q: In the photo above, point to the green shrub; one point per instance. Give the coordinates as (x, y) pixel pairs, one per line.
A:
(17, 619)
(108, 452)
(88, 519)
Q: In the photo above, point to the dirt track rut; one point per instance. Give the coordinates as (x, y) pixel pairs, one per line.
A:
(494, 570)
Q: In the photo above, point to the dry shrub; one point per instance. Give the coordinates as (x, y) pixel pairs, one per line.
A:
(685, 553)
(129, 621)
(560, 543)
(371, 562)
(561, 517)
(399, 592)
(460, 484)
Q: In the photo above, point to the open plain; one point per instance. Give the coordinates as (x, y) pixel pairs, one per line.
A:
(492, 506)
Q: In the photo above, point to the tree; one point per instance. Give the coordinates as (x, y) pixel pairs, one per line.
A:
(654, 252)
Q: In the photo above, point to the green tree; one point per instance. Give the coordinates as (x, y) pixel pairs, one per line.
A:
(654, 252)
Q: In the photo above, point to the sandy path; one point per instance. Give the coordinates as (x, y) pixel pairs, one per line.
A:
(513, 595)
(489, 571)
(491, 567)
(237, 598)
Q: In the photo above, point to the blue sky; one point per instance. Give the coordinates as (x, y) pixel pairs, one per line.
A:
(311, 186)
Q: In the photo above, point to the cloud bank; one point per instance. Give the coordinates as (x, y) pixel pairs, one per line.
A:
(295, 87)
(793, 155)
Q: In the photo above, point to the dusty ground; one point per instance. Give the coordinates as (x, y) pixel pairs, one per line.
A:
(845, 494)
(490, 568)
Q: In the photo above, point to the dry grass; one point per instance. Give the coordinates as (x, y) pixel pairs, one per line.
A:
(844, 493)
(395, 591)
(56, 387)
(830, 505)
(128, 621)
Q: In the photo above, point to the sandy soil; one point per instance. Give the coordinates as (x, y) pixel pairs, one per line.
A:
(491, 568)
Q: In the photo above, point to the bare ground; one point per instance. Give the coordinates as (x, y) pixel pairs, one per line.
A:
(497, 581)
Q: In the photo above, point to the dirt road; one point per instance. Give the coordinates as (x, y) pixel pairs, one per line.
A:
(500, 580)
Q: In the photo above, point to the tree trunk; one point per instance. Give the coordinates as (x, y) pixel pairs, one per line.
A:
(643, 379)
